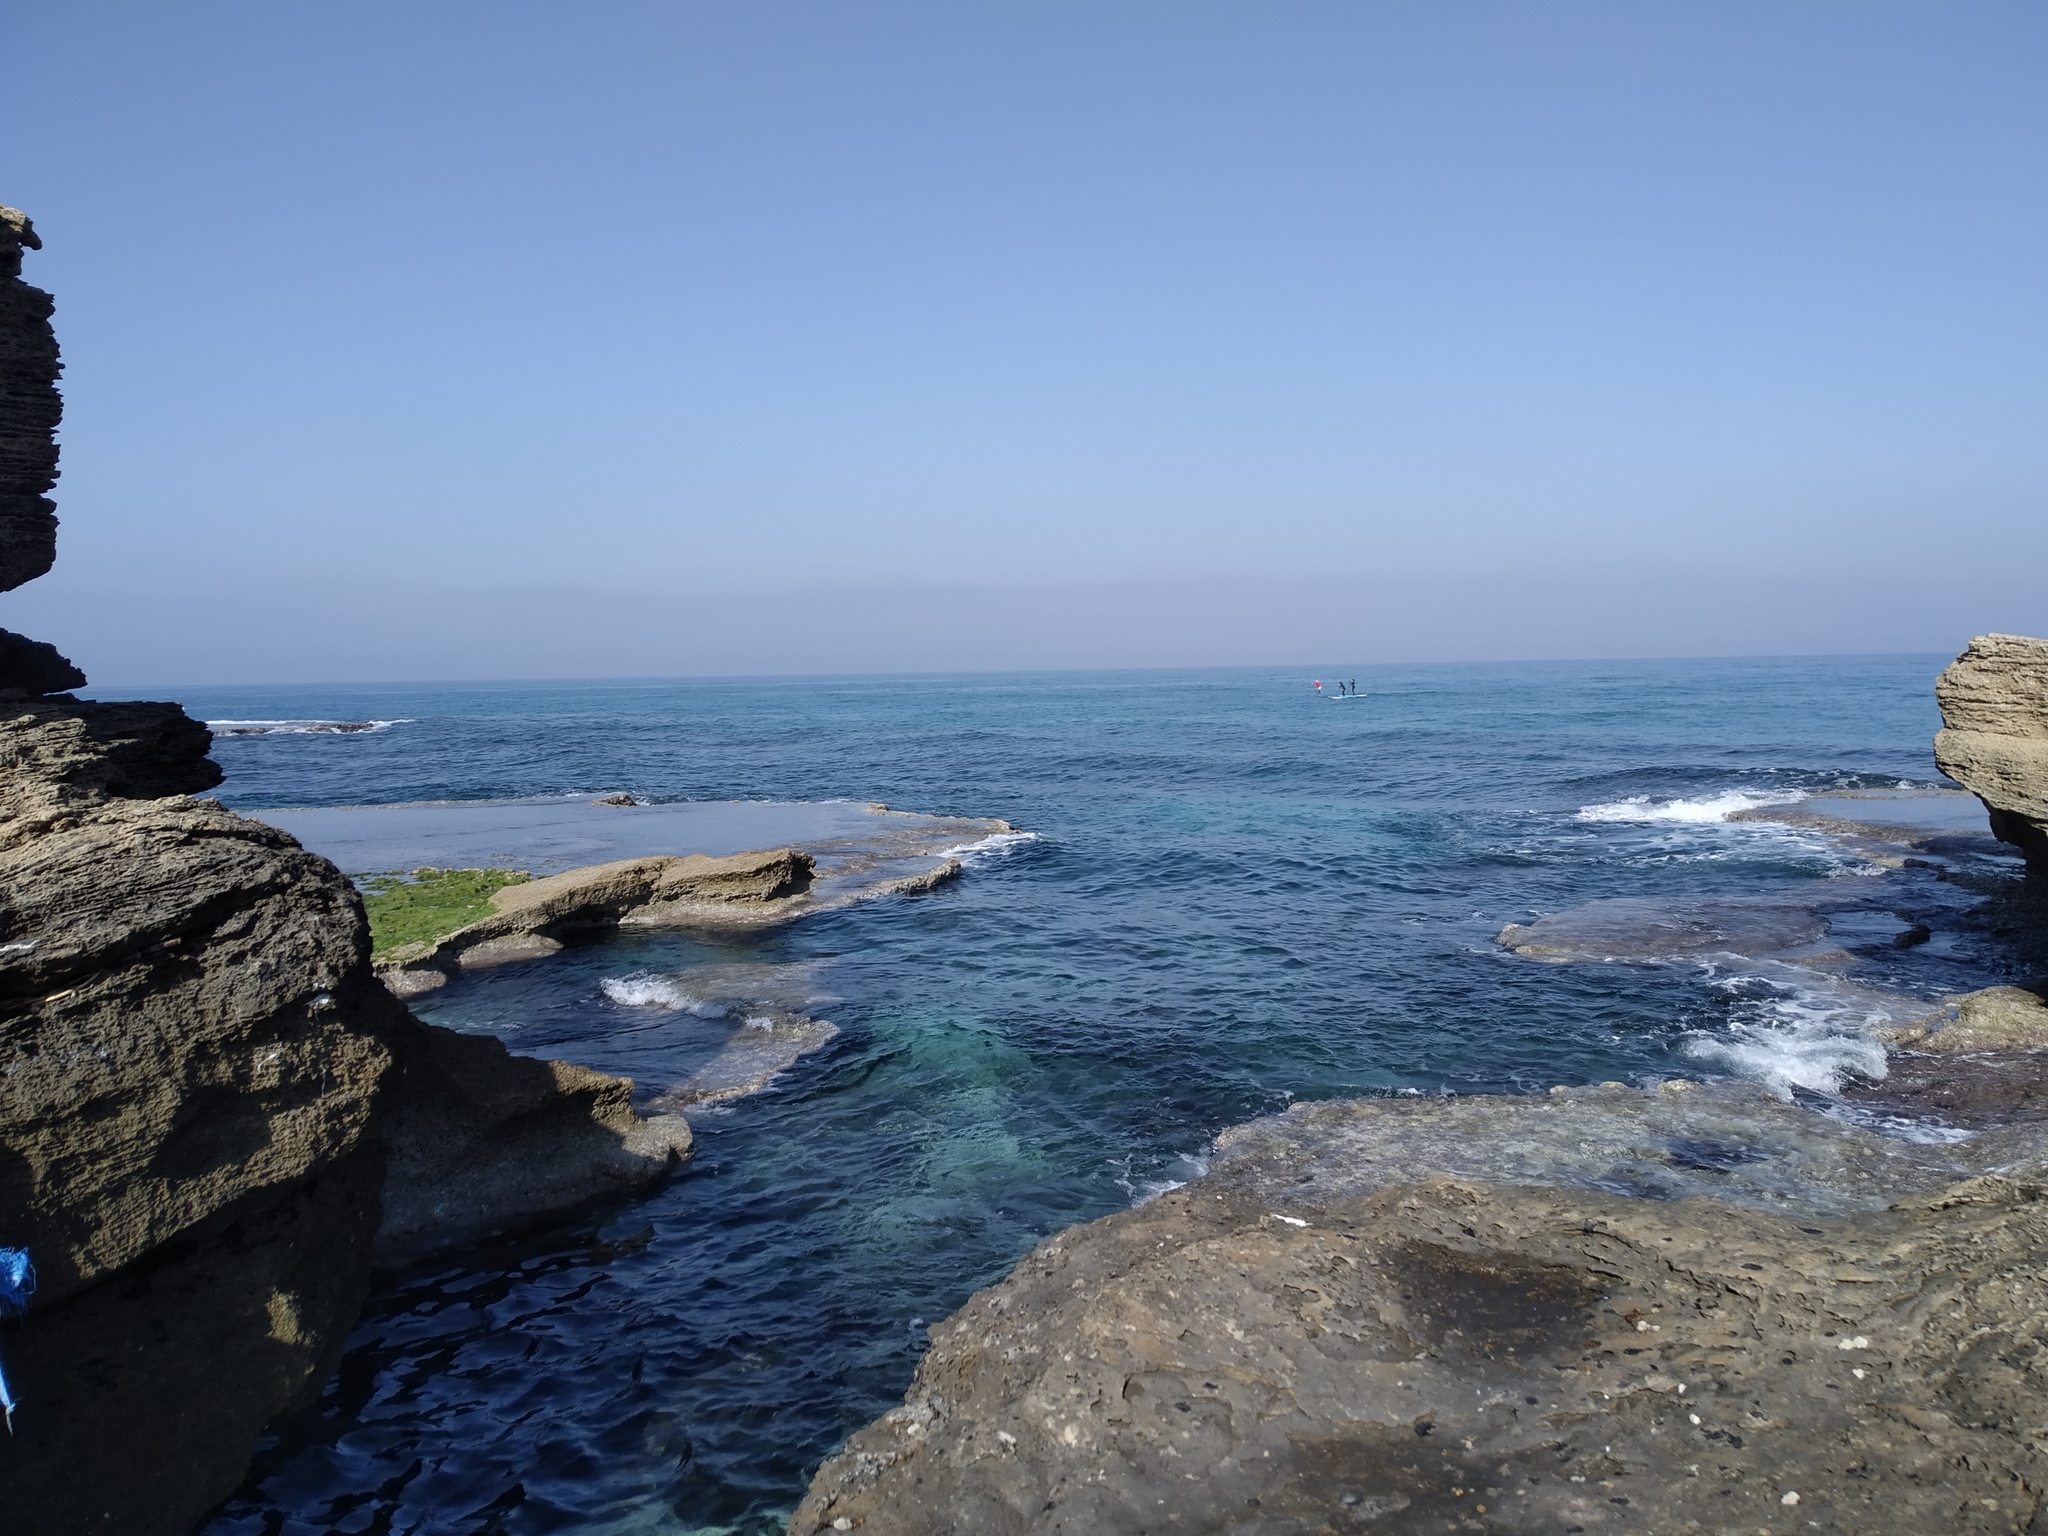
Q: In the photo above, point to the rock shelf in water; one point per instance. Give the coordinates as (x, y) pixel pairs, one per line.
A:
(614, 862)
(1314, 1339)
(531, 919)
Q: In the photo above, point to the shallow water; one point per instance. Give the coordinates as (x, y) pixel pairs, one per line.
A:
(1236, 896)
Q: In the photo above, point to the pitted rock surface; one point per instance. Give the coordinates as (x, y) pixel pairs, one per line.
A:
(1994, 709)
(1454, 1356)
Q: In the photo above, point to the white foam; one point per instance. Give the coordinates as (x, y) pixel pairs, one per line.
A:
(1142, 1191)
(300, 727)
(657, 992)
(1703, 811)
(995, 846)
(1809, 1037)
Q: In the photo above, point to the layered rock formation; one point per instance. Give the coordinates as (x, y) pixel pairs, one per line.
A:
(1994, 709)
(533, 918)
(1284, 1348)
(29, 409)
(193, 1049)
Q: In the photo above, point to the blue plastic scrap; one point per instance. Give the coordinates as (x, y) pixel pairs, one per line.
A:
(17, 1284)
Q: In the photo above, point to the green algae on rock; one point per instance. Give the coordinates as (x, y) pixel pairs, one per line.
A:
(429, 904)
(528, 919)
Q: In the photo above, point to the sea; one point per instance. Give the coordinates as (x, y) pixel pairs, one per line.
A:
(1225, 892)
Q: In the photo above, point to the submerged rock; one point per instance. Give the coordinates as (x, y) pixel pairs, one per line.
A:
(1298, 1344)
(1994, 708)
(1991, 1090)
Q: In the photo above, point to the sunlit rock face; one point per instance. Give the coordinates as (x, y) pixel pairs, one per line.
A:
(1994, 708)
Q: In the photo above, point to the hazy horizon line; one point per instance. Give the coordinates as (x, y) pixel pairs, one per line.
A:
(1307, 670)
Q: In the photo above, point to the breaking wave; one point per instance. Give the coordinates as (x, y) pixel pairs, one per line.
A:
(300, 727)
(1710, 808)
(987, 850)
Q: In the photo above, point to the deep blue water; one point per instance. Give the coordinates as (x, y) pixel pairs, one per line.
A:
(1240, 893)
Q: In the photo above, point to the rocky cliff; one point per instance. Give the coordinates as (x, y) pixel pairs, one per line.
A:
(193, 1047)
(1994, 709)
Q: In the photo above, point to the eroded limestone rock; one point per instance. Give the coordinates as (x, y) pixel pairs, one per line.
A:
(30, 408)
(1994, 709)
(194, 1055)
(1994, 1019)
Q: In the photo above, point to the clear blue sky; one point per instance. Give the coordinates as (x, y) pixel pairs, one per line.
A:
(514, 339)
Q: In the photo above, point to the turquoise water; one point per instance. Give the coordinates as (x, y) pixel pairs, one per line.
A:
(1237, 894)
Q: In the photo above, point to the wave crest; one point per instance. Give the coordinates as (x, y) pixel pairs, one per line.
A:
(300, 727)
(986, 850)
(1700, 812)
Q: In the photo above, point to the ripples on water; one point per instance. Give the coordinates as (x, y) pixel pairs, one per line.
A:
(1236, 895)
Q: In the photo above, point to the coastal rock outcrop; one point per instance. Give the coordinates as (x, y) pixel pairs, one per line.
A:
(1294, 1345)
(482, 1142)
(193, 1049)
(1993, 1019)
(1994, 741)
(35, 666)
(535, 917)
(201, 1079)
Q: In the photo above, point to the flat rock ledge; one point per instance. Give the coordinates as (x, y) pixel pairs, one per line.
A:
(534, 918)
(1312, 1339)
